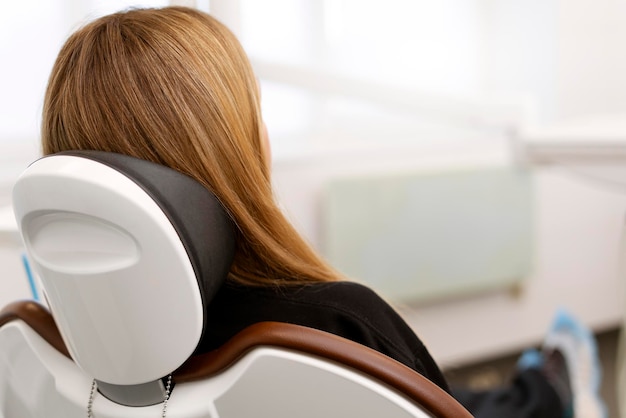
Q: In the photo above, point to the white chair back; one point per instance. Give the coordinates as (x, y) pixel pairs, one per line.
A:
(128, 253)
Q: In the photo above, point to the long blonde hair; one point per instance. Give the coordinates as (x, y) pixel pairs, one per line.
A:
(174, 86)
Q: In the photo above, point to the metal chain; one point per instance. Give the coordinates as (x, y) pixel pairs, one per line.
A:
(167, 395)
(94, 387)
(90, 403)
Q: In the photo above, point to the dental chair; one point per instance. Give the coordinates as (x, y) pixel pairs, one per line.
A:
(128, 252)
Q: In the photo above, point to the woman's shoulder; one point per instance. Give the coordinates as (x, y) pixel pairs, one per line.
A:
(321, 305)
(339, 293)
(342, 295)
(345, 308)
(360, 312)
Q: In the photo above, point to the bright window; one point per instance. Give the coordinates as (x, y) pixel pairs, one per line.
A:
(417, 45)
(423, 46)
(31, 34)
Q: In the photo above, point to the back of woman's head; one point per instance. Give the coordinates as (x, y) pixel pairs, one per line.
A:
(168, 85)
(174, 86)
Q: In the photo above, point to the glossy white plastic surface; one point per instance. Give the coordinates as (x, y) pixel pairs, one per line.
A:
(116, 275)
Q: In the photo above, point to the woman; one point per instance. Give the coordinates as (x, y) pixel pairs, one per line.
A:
(174, 86)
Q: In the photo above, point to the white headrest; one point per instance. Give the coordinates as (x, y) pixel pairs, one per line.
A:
(118, 278)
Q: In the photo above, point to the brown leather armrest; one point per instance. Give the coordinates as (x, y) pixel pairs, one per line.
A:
(328, 346)
(38, 318)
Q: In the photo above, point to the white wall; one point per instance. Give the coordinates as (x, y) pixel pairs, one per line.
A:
(521, 51)
(565, 54)
(591, 63)
(13, 278)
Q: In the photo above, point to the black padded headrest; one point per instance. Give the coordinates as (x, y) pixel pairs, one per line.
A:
(195, 213)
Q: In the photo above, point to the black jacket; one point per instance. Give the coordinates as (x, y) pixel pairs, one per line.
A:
(347, 309)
